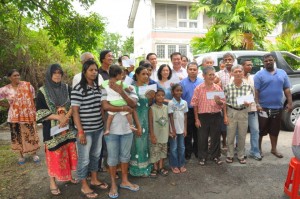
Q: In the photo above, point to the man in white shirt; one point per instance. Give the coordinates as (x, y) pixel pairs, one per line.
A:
(177, 68)
(83, 58)
(152, 58)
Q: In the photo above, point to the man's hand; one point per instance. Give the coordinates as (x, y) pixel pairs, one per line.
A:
(197, 123)
(82, 139)
(289, 108)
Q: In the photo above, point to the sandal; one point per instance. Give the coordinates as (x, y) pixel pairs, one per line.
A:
(242, 161)
(102, 186)
(182, 169)
(21, 161)
(36, 159)
(153, 173)
(218, 161)
(175, 170)
(229, 160)
(91, 194)
(163, 172)
(55, 192)
(202, 162)
(74, 181)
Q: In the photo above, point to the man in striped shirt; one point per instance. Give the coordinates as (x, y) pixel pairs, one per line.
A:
(208, 117)
(87, 114)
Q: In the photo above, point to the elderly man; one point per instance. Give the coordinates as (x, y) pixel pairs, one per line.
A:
(106, 59)
(208, 117)
(177, 68)
(236, 114)
(83, 58)
(270, 84)
(206, 61)
(188, 85)
(152, 58)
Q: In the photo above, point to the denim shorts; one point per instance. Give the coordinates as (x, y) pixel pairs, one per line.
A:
(118, 148)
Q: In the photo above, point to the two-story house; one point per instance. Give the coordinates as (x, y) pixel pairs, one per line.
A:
(166, 26)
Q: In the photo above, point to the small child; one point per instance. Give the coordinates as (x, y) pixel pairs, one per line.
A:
(159, 131)
(177, 109)
(114, 98)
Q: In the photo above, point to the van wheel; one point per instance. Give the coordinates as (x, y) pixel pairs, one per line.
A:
(290, 119)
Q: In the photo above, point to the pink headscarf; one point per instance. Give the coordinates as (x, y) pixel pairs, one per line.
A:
(296, 137)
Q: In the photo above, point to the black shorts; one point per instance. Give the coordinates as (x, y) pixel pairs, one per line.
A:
(271, 124)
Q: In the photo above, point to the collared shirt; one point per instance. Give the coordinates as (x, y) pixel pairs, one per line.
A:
(270, 87)
(231, 92)
(77, 78)
(224, 76)
(154, 75)
(103, 73)
(181, 73)
(200, 100)
(178, 109)
(188, 87)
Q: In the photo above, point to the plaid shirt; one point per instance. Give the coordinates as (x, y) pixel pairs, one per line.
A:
(224, 76)
(203, 104)
(232, 92)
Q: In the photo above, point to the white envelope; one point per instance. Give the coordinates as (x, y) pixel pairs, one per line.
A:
(56, 130)
(128, 80)
(211, 95)
(144, 89)
(245, 98)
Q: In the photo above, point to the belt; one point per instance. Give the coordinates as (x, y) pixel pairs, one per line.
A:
(238, 109)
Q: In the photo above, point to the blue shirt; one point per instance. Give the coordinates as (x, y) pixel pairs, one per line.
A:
(270, 87)
(188, 87)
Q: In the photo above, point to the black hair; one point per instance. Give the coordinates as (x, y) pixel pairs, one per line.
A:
(160, 90)
(121, 58)
(174, 86)
(192, 63)
(183, 56)
(147, 65)
(175, 53)
(244, 60)
(138, 71)
(149, 54)
(161, 68)
(55, 67)
(142, 62)
(103, 54)
(11, 71)
(83, 82)
(114, 70)
(268, 55)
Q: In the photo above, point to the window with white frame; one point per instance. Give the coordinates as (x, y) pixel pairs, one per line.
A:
(174, 16)
(164, 51)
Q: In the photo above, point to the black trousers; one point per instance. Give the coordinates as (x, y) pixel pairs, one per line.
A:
(210, 125)
(191, 138)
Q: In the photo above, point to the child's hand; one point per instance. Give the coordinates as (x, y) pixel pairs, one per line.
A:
(138, 132)
(153, 139)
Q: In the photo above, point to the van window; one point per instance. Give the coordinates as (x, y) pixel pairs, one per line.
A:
(256, 60)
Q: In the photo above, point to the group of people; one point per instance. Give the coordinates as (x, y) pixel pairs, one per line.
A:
(188, 113)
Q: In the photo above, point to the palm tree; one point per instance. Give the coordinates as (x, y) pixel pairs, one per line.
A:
(238, 24)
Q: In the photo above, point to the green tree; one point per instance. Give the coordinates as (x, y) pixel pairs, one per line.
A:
(113, 42)
(238, 24)
(128, 45)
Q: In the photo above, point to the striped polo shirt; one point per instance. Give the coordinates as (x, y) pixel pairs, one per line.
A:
(89, 107)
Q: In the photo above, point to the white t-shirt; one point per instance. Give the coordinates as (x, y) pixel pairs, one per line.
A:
(77, 78)
(178, 109)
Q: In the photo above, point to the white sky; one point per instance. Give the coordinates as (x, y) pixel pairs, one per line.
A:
(116, 11)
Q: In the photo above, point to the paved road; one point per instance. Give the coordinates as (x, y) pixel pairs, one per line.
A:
(255, 180)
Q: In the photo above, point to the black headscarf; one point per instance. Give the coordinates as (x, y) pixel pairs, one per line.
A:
(57, 92)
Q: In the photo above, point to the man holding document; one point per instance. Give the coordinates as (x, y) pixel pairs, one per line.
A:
(208, 101)
(239, 96)
(270, 84)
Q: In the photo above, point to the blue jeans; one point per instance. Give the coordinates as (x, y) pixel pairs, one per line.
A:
(118, 148)
(88, 154)
(177, 149)
(254, 133)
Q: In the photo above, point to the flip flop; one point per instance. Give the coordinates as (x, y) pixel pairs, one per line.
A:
(175, 170)
(55, 192)
(278, 155)
(36, 159)
(102, 186)
(74, 181)
(131, 188)
(21, 161)
(113, 195)
(91, 194)
(182, 169)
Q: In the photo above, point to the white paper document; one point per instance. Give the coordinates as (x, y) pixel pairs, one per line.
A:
(128, 80)
(127, 63)
(263, 114)
(211, 95)
(56, 130)
(144, 89)
(245, 98)
(174, 79)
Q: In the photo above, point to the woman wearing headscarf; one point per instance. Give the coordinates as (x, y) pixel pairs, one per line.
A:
(21, 115)
(53, 110)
